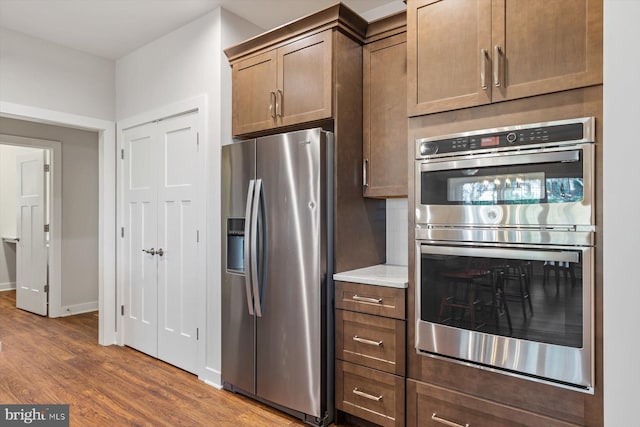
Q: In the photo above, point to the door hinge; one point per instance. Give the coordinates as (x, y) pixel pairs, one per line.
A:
(122, 310)
(121, 231)
(197, 334)
(47, 168)
(46, 288)
(46, 228)
(122, 153)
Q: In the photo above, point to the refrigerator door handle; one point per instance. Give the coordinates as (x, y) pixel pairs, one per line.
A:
(248, 232)
(254, 248)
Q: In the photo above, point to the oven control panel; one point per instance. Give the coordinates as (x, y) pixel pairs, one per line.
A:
(578, 130)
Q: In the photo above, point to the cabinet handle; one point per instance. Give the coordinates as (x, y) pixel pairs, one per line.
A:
(367, 395)
(365, 178)
(149, 251)
(496, 65)
(366, 341)
(483, 68)
(272, 104)
(367, 299)
(160, 252)
(279, 102)
(437, 419)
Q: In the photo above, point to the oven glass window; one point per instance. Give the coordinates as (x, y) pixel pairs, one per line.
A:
(505, 185)
(539, 301)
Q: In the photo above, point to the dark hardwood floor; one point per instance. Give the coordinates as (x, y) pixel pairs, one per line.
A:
(49, 361)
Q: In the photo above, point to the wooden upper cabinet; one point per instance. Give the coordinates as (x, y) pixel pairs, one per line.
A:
(385, 117)
(305, 80)
(463, 53)
(284, 86)
(546, 46)
(447, 50)
(253, 93)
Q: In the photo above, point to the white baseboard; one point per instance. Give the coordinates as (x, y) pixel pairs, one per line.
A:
(212, 377)
(87, 307)
(9, 286)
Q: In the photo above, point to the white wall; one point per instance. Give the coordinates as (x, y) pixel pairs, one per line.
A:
(8, 220)
(397, 237)
(79, 208)
(42, 74)
(183, 64)
(621, 211)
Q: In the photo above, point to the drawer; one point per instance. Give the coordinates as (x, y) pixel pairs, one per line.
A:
(373, 341)
(369, 394)
(434, 406)
(379, 300)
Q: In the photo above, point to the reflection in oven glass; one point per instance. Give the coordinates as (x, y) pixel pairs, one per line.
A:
(538, 301)
(497, 189)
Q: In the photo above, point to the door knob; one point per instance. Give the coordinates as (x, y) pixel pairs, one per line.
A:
(149, 251)
(160, 252)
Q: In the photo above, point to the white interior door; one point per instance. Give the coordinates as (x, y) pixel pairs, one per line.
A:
(140, 224)
(31, 256)
(179, 266)
(163, 261)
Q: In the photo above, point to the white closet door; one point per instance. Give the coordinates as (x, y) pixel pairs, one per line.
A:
(31, 257)
(140, 224)
(180, 271)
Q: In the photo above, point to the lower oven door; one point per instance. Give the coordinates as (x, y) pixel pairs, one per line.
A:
(524, 309)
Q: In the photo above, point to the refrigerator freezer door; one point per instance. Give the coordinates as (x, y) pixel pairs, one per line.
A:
(289, 344)
(238, 324)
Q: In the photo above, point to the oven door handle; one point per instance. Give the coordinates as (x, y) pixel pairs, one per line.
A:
(504, 253)
(488, 160)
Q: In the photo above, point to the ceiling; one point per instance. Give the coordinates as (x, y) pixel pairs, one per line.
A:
(114, 28)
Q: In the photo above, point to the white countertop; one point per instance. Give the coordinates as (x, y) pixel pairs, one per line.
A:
(393, 276)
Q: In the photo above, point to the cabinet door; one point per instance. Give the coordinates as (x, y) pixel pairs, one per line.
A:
(254, 86)
(432, 406)
(448, 64)
(385, 117)
(545, 46)
(305, 80)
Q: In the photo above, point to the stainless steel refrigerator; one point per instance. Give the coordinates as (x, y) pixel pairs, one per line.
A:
(277, 269)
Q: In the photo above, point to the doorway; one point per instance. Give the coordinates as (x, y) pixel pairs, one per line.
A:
(30, 222)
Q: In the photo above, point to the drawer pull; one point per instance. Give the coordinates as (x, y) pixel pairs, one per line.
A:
(367, 299)
(437, 419)
(367, 395)
(366, 341)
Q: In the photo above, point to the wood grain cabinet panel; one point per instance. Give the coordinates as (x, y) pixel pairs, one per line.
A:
(304, 80)
(545, 46)
(464, 53)
(369, 394)
(444, 44)
(285, 86)
(375, 341)
(378, 300)
(385, 117)
(429, 405)
(370, 352)
(254, 82)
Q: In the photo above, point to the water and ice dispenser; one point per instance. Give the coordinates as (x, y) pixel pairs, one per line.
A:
(235, 245)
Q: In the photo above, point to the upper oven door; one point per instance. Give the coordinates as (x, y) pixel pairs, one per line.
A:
(541, 187)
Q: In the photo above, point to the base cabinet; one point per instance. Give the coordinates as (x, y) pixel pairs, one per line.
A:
(429, 405)
(370, 352)
(370, 394)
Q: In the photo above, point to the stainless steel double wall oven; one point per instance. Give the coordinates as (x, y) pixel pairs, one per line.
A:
(505, 222)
